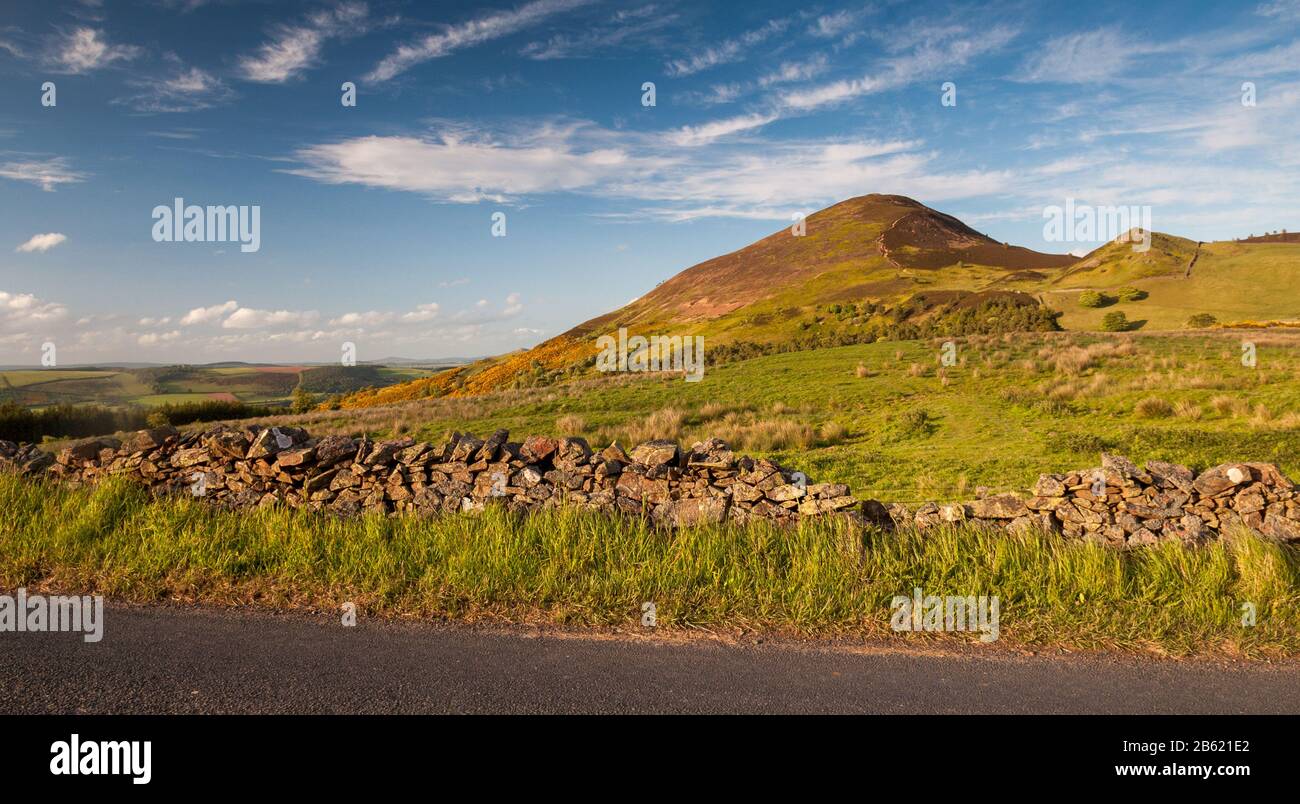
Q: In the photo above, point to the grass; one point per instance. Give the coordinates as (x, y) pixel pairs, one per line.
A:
(580, 568)
(1011, 407)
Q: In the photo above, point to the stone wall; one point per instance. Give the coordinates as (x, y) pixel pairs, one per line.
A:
(260, 466)
(1117, 503)
(1122, 505)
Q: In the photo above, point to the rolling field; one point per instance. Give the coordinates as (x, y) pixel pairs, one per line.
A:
(152, 387)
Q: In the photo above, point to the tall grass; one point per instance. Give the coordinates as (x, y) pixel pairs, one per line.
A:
(581, 568)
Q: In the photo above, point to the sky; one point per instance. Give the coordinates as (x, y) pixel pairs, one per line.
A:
(380, 222)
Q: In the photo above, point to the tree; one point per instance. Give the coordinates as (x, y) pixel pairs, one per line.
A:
(1114, 321)
(303, 400)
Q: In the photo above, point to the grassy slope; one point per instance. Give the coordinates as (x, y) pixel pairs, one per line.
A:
(581, 569)
(1232, 281)
(1007, 413)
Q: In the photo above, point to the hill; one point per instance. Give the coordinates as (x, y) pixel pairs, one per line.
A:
(888, 267)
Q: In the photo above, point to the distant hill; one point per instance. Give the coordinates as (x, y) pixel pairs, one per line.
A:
(1275, 237)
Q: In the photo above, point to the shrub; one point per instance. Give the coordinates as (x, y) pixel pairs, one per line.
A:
(1153, 407)
(833, 432)
(1114, 321)
(570, 424)
(1091, 298)
(1187, 410)
(1201, 321)
(1130, 294)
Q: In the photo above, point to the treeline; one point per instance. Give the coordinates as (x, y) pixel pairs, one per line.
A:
(18, 423)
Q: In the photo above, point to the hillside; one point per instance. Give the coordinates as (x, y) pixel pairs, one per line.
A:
(888, 267)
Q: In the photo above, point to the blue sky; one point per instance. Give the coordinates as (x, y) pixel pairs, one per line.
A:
(376, 220)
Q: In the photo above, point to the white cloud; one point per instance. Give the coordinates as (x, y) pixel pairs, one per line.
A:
(158, 338)
(424, 312)
(793, 71)
(186, 90)
(42, 242)
(708, 132)
(935, 54)
(725, 52)
(464, 169)
(467, 34)
(84, 49)
(19, 311)
(1080, 58)
(208, 315)
(1281, 10)
(250, 318)
(46, 174)
(758, 179)
(372, 318)
(625, 30)
(829, 26)
(296, 48)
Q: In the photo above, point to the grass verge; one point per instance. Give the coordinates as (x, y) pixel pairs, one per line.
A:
(579, 568)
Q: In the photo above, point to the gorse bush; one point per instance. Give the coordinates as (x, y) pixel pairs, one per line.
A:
(1091, 298)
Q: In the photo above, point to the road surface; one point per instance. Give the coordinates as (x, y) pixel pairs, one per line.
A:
(196, 660)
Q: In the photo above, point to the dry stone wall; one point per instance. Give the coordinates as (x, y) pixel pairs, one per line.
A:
(1117, 503)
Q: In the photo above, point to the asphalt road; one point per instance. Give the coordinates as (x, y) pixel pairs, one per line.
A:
(181, 660)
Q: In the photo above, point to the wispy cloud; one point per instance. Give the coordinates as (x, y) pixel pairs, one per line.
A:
(1283, 10)
(725, 52)
(709, 132)
(293, 49)
(837, 23)
(187, 89)
(625, 29)
(1079, 58)
(794, 71)
(84, 49)
(467, 34)
(42, 242)
(46, 174)
(466, 166)
(942, 52)
(738, 178)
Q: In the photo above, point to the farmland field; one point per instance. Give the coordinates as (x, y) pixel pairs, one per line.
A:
(152, 387)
